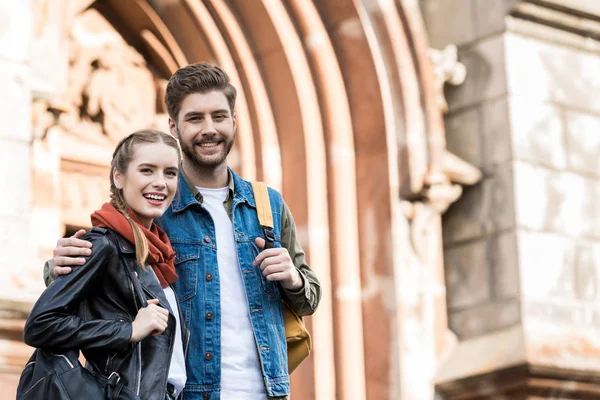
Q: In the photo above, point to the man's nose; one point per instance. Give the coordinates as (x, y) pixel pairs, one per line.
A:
(208, 126)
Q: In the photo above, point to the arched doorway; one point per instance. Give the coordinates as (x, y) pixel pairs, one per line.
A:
(337, 109)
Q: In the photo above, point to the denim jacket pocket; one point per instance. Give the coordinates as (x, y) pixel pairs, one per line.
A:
(186, 266)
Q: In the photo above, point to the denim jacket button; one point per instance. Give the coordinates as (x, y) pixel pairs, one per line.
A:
(209, 277)
(206, 395)
(207, 239)
(209, 315)
(208, 356)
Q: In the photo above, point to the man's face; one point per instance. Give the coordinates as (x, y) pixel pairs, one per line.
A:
(205, 127)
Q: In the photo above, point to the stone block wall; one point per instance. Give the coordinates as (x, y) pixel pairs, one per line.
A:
(15, 178)
(522, 248)
(480, 238)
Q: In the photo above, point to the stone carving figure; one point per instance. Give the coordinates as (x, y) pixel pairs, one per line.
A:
(110, 92)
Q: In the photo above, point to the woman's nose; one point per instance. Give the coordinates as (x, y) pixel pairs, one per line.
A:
(159, 182)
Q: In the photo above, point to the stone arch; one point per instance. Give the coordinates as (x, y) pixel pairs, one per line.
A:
(337, 109)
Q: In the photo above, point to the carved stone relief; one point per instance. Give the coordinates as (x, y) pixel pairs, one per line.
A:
(110, 93)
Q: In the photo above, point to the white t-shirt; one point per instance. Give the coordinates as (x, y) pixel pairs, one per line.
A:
(241, 376)
(177, 376)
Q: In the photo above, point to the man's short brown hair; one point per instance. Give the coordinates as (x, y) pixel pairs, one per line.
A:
(197, 78)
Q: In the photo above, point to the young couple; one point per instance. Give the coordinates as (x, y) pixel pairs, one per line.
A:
(187, 224)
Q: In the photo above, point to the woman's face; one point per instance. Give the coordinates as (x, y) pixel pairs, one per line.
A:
(150, 181)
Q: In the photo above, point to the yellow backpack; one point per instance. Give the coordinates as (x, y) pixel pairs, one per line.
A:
(298, 338)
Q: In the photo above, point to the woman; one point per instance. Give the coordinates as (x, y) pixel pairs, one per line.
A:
(95, 307)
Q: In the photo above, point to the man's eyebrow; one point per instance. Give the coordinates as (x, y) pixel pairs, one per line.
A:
(191, 114)
(221, 111)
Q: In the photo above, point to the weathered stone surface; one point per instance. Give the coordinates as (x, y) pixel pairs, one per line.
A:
(49, 51)
(544, 262)
(582, 142)
(486, 208)
(486, 76)
(587, 6)
(556, 267)
(477, 321)
(495, 129)
(463, 135)
(13, 236)
(504, 264)
(542, 71)
(555, 311)
(15, 97)
(556, 201)
(443, 16)
(475, 356)
(16, 28)
(16, 179)
(537, 132)
(467, 275)
(490, 15)
(551, 344)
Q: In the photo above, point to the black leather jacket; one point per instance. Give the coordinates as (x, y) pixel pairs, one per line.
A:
(92, 309)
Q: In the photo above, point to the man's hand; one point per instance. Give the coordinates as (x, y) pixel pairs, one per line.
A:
(276, 265)
(67, 251)
(149, 320)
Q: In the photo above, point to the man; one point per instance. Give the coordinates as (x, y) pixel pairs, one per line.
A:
(229, 290)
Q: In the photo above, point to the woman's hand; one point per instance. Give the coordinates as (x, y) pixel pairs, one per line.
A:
(149, 320)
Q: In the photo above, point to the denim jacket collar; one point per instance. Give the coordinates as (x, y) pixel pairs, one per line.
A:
(185, 197)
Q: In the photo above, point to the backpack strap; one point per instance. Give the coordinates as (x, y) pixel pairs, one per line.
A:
(263, 209)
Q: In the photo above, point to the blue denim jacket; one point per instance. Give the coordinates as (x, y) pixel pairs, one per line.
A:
(192, 233)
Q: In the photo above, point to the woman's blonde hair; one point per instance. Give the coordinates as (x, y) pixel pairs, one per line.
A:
(121, 159)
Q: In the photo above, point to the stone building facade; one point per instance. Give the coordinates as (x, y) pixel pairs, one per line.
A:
(455, 236)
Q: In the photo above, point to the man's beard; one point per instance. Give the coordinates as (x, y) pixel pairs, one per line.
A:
(198, 160)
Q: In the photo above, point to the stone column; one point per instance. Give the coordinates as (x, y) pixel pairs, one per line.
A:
(15, 177)
(521, 249)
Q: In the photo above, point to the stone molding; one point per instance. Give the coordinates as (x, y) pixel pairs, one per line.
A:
(525, 381)
(560, 17)
(568, 26)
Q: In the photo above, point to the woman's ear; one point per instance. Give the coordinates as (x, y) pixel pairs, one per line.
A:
(117, 179)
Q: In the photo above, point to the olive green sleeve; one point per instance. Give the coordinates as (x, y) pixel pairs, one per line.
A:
(48, 277)
(305, 300)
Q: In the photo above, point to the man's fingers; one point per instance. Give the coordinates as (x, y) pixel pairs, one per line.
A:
(152, 301)
(58, 262)
(279, 276)
(72, 251)
(260, 242)
(271, 269)
(79, 234)
(74, 242)
(266, 253)
(274, 260)
(57, 271)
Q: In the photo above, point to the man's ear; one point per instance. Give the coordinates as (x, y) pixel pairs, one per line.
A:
(173, 128)
(234, 119)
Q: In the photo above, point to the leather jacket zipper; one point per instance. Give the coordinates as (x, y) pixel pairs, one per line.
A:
(139, 348)
(66, 359)
(108, 362)
(171, 341)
